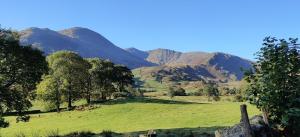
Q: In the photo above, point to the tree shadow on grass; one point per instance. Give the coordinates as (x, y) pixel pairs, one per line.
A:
(174, 132)
(112, 102)
(180, 132)
(147, 100)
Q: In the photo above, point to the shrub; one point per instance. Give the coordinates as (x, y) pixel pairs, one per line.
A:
(176, 92)
(80, 134)
(238, 98)
(106, 133)
(216, 98)
(211, 90)
(199, 92)
(274, 84)
(24, 118)
(3, 123)
(120, 94)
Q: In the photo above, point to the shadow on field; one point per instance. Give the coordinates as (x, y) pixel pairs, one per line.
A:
(181, 132)
(148, 100)
(175, 132)
(111, 102)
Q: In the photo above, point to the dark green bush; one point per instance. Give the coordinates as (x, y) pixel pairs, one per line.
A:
(3, 123)
(176, 92)
(107, 133)
(121, 94)
(80, 134)
(238, 98)
(199, 92)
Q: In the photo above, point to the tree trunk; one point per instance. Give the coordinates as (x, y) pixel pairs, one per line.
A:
(89, 89)
(57, 107)
(265, 117)
(88, 98)
(245, 120)
(69, 99)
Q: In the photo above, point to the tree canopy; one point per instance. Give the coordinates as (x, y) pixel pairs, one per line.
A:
(275, 83)
(21, 68)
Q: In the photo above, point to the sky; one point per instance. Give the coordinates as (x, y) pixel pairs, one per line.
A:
(232, 26)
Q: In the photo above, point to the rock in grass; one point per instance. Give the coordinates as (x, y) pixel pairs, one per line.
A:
(257, 125)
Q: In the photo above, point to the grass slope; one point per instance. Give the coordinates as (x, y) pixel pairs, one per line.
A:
(134, 115)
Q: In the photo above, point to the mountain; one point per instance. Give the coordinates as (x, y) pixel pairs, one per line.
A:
(85, 42)
(88, 43)
(163, 56)
(138, 53)
(220, 66)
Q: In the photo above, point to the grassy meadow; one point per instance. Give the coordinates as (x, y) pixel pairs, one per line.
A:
(133, 115)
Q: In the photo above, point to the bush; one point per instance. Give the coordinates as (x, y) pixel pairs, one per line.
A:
(229, 91)
(106, 133)
(211, 90)
(121, 94)
(24, 118)
(238, 98)
(216, 98)
(80, 134)
(176, 92)
(3, 123)
(199, 92)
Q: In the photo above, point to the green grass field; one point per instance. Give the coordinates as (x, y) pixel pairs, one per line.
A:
(134, 115)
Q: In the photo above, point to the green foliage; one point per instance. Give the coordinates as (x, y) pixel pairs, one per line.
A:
(100, 79)
(274, 87)
(211, 90)
(230, 91)
(238, 98)
(67, 77)
(106, 133)
(123, 77)
(80, 134)
(50, 91)
(21, 67)
(176, 91)
(3, 123)
(105, 78)
(199, 92)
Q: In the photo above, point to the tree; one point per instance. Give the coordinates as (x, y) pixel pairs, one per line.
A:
(72, 70)
(211, 90)
(98, 74)
(123, 77)
(50, 91)
(21, 67)
(275, 85)
(103, 78)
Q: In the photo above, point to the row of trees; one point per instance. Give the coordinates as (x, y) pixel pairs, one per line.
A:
(64, 76)
(71, 77)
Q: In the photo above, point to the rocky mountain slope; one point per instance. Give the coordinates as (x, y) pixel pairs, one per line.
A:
(221, 66)
(88, 43)
(81, 40)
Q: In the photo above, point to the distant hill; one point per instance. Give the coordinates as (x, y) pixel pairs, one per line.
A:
(138, 53)
(88, 43)
(81, 40)
(221, 66)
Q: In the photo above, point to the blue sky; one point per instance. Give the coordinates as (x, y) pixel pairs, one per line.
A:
(232, 26)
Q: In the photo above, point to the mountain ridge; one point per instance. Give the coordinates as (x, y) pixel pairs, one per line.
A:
(85, 42)
(89, 43)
